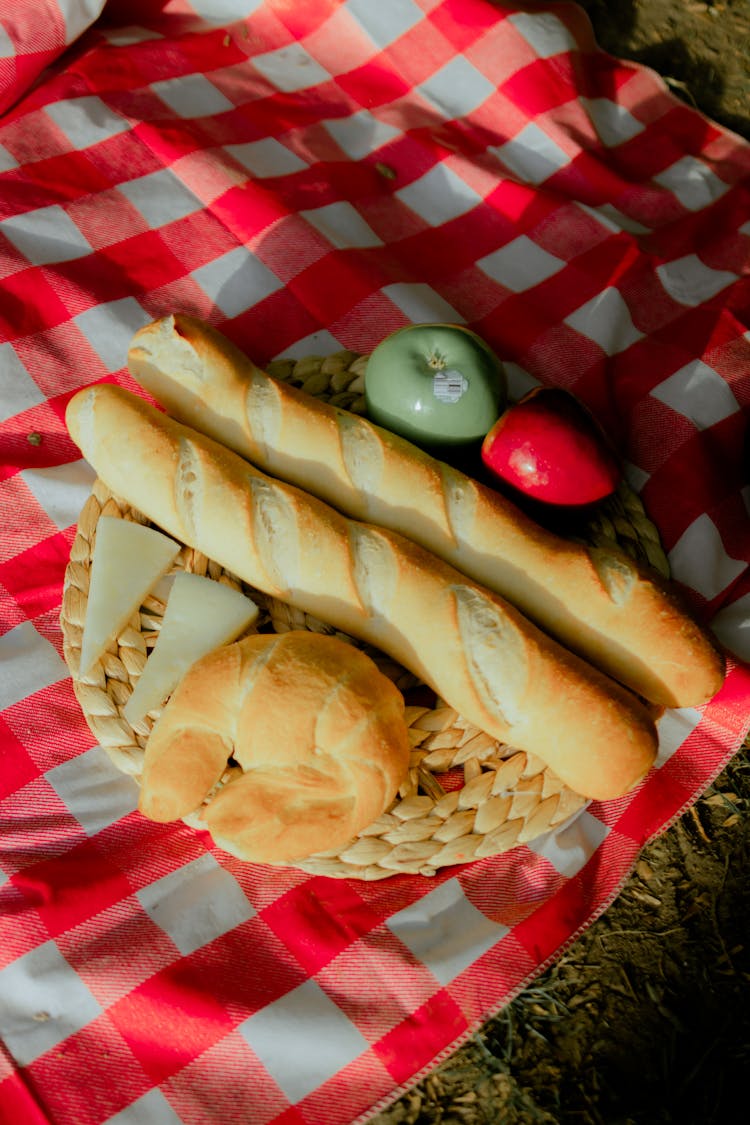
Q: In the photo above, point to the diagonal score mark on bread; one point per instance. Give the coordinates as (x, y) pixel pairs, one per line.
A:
(263, 412)
(495, 652)
(362, 457)
(188, 490)
(275, 534)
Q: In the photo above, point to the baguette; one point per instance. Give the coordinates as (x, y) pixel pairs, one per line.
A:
(596, 601)
(476, 651)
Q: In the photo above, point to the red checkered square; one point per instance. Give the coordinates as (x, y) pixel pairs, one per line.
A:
(543, 85)
(53, 885)
(16, 767)
(21, 930)
(34, 576)
(164, 1027)
(367, 1072)
(355, 980)
(91, 1076)
(425, 1033)
(100, 949)
(201, 1090)
(50, 714)
(36, 828)
(335, 911)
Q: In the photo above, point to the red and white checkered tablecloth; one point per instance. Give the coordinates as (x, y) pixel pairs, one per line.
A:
(310, 175)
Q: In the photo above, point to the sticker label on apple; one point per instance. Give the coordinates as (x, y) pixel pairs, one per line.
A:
(449, 386)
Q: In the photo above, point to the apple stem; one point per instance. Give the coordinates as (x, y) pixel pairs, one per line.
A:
(436, 361)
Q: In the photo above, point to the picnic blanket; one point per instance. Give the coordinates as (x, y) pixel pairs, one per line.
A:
(309, 176)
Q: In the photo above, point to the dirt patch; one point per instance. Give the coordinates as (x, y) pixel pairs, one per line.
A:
(701, 50)
(646, 1019)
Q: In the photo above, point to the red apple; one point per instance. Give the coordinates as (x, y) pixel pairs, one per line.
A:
(549, 446)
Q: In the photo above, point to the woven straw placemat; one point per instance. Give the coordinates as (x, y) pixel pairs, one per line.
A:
(466, 796)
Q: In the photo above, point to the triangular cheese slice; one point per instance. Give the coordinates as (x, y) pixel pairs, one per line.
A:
(128, 560)
(201, 615)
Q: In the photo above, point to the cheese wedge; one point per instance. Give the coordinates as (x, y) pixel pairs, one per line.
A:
(201, 615)
(127, 561)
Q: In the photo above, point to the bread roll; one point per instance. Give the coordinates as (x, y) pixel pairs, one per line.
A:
(318, 732)
(475, 650)
(596, 601)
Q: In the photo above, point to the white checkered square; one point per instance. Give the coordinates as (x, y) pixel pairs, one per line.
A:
(7, 161)
(7, 48)
(420, 304)
(606, 320)
(152, 1109)
(18, 391)
(110, 327)
(224, 11)
(126, 36)
(547, 34)
(196, 904)
(266, 158)
(457, 89)
(385, 20)
(28, 663)
(690, 282)
(698, 559)
(520, 264)
(93, 790)
(693, 182)
(360, 134)
(636, 477)
(160, 198)
(42, 1002)
(62, 490)
(236, 281)
(532, 155)
(445, 931)
(192, 95)
(291, 68)
(674, 727)
(46, 235)
(342, 225)
(297, 1060)
(439, 196)
(614, 123)
(612, 219)
(570, 847)
(86, 121)
(519, 380)
(732, 626)
(317, 343)
(699, 393)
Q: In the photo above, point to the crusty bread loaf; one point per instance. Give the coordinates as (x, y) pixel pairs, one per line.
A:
(317, 732)
(596, 601)
(477, 652)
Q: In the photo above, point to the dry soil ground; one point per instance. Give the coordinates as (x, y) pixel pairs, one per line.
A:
(646, 1019)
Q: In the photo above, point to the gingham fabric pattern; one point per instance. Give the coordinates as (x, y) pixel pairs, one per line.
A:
(33, 35)
(309, 176)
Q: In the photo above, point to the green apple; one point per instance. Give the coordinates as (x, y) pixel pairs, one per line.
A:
(439, 385)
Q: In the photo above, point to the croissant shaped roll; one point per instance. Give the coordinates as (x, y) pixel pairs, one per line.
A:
(317, 730)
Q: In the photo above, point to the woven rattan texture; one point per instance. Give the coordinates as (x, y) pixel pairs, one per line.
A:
(465, 797)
